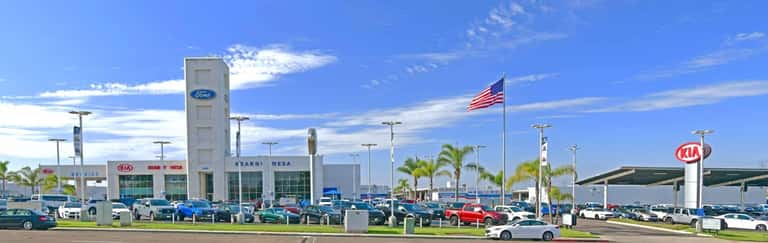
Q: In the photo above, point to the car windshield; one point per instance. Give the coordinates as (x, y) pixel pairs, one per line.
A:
(432, 205)
(72, 205)
(325, 200)
(118, 205)
(411, 207)
(326, 209)
(486, 208)
(55, 198)
(362, 206)
(515, 209)
(159, 202)
(198, 204)
(278, 210)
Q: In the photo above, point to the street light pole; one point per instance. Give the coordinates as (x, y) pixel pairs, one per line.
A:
(369, 145)
(391, 124)
(573, 186)
(354, 176)
(269, 157)
(80, 115)
(700, 169)
(477, 172)
(541, 128)
(239, 119)
(162, 163)
(58, 163)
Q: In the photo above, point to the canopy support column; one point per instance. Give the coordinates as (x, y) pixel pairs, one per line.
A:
(605, 194)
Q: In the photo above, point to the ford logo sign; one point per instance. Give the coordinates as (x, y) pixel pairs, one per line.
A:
(202, 94)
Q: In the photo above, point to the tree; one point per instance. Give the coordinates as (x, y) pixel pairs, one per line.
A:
(27, 177)
(431, 169)
(410, 168)
(50, 182)
(559, 196)
(402, 186)
(529, 170)
(4, 175)
(454, 156)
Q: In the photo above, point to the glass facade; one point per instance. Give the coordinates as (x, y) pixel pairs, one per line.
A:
(135, 186)
(209, 186)
(176, 187)
(252, 185)
(292, 184)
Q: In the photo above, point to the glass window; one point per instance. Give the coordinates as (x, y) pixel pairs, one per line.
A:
(72, 205)
(55, 198)
(744, 217)
(176, 187)
(209, 186)
(135, 186)
(252, 185)
(293, 184)
(118, 205)
(159, 202)
(23, 212)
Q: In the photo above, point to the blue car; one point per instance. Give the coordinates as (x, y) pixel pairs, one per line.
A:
(27, 219)
(200, 209)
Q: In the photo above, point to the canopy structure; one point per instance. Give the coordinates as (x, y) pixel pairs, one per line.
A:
(674, 176)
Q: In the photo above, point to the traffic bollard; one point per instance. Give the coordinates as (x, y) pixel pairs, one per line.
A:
(421, 222)
(477, 224)
(287, 220)
(193, 218)
(307, 219)
(173, 218)
(213, 218)
(440, 220)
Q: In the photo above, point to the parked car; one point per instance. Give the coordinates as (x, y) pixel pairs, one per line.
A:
(454, 205)
(225, 211)
(596, 213)
(199, 209)
(404, 210)
(53, 201)
(320, 215)
(153, 208)
(375, 216)
(291, 208)
(277, 215)
(325, 201)
(472, 213)
(514, 213)
(117, 208)
(69, 210)
(660, 210)
(682, 216)
(438, 212)
(27, 219)
(524, 229)
(743, 221)
(623, 213)
(3, 204)
(645, 215)
(524, 206)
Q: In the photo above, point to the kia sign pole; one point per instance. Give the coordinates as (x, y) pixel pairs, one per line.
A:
(693, 155)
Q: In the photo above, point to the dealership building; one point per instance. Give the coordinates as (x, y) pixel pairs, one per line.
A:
(210, 171)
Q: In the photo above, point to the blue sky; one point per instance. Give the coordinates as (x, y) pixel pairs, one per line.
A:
(626, 80)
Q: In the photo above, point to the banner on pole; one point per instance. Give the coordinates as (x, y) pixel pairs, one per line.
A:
(237, 143)
(77, 140)
(543, 154)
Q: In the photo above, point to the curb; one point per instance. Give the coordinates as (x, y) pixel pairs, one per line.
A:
(651, 227)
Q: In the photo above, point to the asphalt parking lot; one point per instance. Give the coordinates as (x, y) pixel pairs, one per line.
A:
(622, 233)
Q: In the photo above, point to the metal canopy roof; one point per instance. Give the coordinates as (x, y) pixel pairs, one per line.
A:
(657, 176)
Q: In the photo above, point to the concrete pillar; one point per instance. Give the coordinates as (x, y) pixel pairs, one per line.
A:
(675, 189)
(605, 194)
(741, 194)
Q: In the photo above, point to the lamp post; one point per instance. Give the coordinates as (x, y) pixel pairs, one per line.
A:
(239, 119)
(392, 124)
(477, 172)
(58, 163)
(700, 170)
(354, 176)
(369, 145)
(269, 155)
(573, 185)
(541, 128)
(80, 115)
(162, 163)
(74, 164)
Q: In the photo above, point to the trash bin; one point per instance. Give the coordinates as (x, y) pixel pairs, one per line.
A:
(408, 225)
(569, 220)
(125, 218)
(356, 221)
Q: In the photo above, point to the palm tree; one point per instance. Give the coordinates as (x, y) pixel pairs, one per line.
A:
(50, 182)
(27, 177)
(431, 169)
(402, 186)
(555, 193)
(454, 156)
(4, 175)
(410, 168)
(529, 170)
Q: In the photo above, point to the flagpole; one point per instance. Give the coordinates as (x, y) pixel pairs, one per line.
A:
(503, 139)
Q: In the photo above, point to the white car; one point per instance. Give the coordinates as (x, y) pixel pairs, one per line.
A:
(524, 229)
(70, 210)
(514, 213)
(596, 213)
(743, 221)
(117, 208)
(645, 215)
(661, 210)
(325, 201)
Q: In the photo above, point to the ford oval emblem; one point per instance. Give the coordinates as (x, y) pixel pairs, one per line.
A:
(202, 94)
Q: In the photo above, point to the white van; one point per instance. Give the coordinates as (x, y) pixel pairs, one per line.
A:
(325, 201)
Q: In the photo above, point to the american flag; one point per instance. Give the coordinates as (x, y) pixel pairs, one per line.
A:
(488, 97)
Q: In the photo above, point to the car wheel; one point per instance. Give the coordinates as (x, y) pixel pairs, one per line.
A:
(548, 236)
(597, 217)
(136, 215)
(505, 235)
(92, 211)
(668, 221)
(454, 220)
(27, 225)
(693, 223)
(761, 227)
(488, 222)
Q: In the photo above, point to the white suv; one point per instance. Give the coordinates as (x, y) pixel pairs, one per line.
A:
(596, 213)
(514, 213)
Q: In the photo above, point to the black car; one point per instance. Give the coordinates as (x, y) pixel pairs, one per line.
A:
(27, 219)
(438, 212)
(320, 215)
(403, 210)
(375, 216)
(227, 211)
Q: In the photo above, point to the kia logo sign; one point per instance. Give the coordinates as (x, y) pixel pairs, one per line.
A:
(47, 171)
(125, 167)
(202, 94)
(690, 152)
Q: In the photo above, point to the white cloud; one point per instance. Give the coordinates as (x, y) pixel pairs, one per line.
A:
(372, 84)
(557, 104)
(441, 57)
(249, 67)
(744, 37)
(703, 95)
(531, 78)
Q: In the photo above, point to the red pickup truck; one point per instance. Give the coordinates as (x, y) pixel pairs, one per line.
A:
(475, 213)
